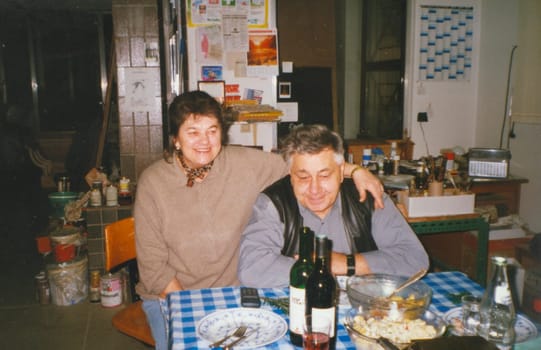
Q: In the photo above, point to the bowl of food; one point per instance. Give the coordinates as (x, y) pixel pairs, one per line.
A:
(371, 332)
(373, 293)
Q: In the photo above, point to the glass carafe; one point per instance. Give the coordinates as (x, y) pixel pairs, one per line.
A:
(497, 311)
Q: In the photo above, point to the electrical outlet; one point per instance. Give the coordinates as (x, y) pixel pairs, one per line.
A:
(422, 117)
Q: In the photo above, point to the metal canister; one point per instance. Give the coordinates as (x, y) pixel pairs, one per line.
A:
(64, 184)
(111, 290)
(43, 290)
(94, 289)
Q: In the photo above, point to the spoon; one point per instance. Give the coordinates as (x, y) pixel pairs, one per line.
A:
(383, 342)
(417, 276)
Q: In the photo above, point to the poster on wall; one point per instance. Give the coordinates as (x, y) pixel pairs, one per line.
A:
(205, 12)
(446, 43)
(262, 52)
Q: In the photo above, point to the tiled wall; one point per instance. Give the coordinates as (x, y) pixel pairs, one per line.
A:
(96, 220)
(136, 38)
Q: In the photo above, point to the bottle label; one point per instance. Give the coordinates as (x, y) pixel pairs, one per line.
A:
(296, 309)
(329, 313)
(502, 295)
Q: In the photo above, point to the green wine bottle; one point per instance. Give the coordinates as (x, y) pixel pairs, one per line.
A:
(301, 269)
(321, 289)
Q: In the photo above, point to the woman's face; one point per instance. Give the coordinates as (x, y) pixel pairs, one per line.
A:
(199, 139)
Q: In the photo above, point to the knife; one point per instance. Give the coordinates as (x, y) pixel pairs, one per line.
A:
(383, 342)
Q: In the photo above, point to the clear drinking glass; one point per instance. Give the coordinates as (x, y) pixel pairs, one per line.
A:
(470, 314)
(317, 331)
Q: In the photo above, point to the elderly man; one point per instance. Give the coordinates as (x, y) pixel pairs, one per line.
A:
(315, 194)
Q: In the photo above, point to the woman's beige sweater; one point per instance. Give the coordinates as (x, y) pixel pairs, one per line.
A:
(193, 233)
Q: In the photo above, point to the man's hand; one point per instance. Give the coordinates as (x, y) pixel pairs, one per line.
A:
(365, 181)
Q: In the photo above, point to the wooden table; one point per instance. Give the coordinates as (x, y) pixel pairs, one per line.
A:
(458, 223)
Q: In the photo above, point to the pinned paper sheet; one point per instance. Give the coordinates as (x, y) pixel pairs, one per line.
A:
(290, 111)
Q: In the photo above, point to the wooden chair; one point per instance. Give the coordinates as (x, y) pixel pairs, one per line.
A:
(119, 253)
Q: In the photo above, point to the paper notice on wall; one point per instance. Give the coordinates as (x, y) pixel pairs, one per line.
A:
(209, 47)
(262, 53)
(235, 31)
(140, 84)
(204, 12)
(236, 62)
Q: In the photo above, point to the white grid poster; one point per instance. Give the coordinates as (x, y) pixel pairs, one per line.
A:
(446, 43)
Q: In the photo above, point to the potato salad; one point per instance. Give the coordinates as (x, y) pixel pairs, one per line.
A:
(397, 331)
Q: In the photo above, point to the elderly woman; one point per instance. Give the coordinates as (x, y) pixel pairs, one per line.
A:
(191, 207)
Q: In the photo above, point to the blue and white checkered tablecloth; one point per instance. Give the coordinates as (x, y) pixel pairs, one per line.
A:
(188, 307)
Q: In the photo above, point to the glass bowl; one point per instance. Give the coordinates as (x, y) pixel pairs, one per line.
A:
(371, 292)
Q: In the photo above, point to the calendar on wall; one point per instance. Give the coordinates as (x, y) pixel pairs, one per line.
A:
(446, 43)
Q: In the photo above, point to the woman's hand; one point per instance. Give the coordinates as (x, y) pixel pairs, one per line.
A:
(365, 181)
(173, 286)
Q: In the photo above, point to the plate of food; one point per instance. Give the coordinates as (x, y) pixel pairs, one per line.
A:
(264, 326)
(524, 328)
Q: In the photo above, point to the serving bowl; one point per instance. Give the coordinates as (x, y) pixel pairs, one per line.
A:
(371, 293)
(427, 326)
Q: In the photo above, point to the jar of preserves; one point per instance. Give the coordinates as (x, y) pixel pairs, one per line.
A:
(124, 191)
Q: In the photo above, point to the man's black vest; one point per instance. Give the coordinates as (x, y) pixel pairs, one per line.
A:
(357, 216)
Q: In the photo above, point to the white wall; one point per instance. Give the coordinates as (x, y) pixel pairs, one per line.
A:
(451, 105)
(498, 35)
(526, 146)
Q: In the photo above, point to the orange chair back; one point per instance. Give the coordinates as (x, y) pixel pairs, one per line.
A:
(119, 243)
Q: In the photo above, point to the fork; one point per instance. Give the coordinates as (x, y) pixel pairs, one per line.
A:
(241, 338)
(239, 332)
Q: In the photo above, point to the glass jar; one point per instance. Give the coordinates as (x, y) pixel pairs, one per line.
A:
(96, 197)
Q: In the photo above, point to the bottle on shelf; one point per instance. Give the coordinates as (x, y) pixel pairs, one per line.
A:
(367, 157)
(393, 150)
(497, 312)
(321, 289)
(298, 275)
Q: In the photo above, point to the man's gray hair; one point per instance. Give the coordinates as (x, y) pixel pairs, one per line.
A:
(312, 139)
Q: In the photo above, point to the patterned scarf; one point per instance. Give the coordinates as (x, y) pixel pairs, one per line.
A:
(194, 173)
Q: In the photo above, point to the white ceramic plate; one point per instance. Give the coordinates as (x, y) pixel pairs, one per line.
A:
(524, 328)
(269, 326)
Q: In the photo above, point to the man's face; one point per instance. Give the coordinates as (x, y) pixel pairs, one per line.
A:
(316, 180)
